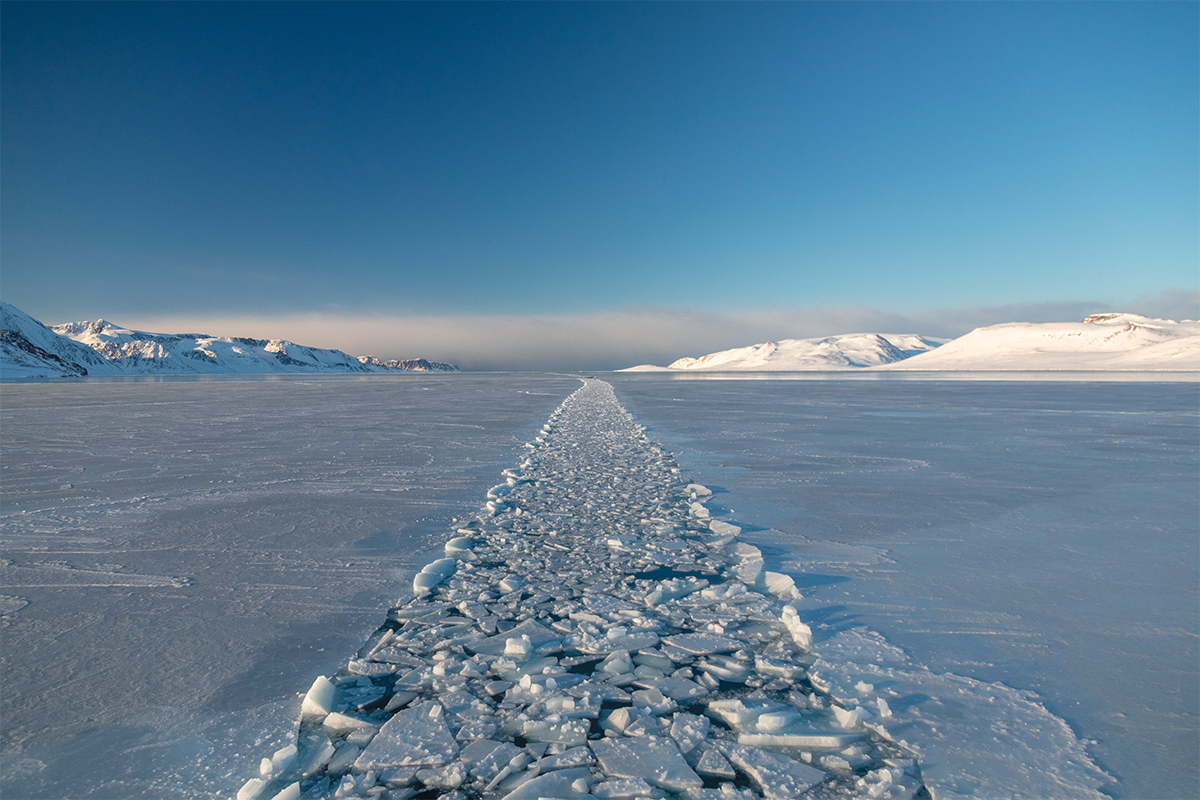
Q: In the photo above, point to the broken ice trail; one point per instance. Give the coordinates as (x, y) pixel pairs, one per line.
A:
(593, 633)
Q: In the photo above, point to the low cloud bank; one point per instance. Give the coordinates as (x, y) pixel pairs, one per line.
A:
(626, 337)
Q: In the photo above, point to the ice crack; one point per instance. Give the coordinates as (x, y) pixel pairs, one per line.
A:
(593, 633)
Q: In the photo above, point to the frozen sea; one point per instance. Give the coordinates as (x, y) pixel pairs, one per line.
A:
(182, 557)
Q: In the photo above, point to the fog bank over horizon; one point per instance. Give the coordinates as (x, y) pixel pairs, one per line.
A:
(618, 338)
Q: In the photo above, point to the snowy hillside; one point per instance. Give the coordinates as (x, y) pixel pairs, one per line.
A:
(30, 349)
(142, 353)
(849, 351)
(1100, 342)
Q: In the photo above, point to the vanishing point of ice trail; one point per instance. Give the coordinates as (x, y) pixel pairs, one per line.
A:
(592, 633)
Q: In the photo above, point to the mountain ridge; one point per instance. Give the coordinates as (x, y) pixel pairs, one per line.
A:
(30, 349)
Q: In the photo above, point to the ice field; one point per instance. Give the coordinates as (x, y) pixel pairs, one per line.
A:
(183, 558)
(1038, 534)
(193, 552)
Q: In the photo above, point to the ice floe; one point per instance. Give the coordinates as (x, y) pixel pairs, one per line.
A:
(595, 632)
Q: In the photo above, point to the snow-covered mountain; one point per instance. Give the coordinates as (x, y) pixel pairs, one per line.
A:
(30, 349)
(143, 353)
(1100, 342)
(848, 351)
(409, 364)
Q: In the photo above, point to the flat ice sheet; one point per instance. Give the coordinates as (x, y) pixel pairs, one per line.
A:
(182, 557)
(1043, 535)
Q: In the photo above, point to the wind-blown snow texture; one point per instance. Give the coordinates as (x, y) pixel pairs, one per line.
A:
(183, 557)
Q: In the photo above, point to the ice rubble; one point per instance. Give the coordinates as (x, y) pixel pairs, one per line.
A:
(594, 633)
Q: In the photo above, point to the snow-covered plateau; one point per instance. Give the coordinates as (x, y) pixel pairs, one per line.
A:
(1119, 342)
(29, 349)
(988, 590)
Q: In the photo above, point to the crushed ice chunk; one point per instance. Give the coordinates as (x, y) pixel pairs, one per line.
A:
(689, 730)
(781, 585)
(703, 643)
(495, 645)
(320, 698)
(568, 732)
(676, 688)
(654, 758)
(575, 757)
(250, 789)
(342, 723)
(624, 789)
(289, 792)
(632, 601)
(817, 740)
(800, 632)
(851, 718)
(777, 776)
(712, 764)
(459, 545)
(416, 736)
(567, 784)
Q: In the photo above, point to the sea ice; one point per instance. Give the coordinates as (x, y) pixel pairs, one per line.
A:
(655, 759)
(583, 674)
(414, 736)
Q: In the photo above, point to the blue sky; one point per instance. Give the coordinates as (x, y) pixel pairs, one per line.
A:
(428, 173)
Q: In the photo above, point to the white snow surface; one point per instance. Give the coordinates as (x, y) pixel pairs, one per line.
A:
(847, 351)
(181, 559)
(1114, 341)
(1012, 538)
(1035, 536)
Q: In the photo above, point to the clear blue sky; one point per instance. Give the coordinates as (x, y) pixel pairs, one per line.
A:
(252, 160)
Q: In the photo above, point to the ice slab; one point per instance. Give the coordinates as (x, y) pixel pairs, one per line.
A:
(416, 736)
(653, 758)
(777, 776)
(537, 634)
(320, 697)
(567, 784)
(704, 643)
